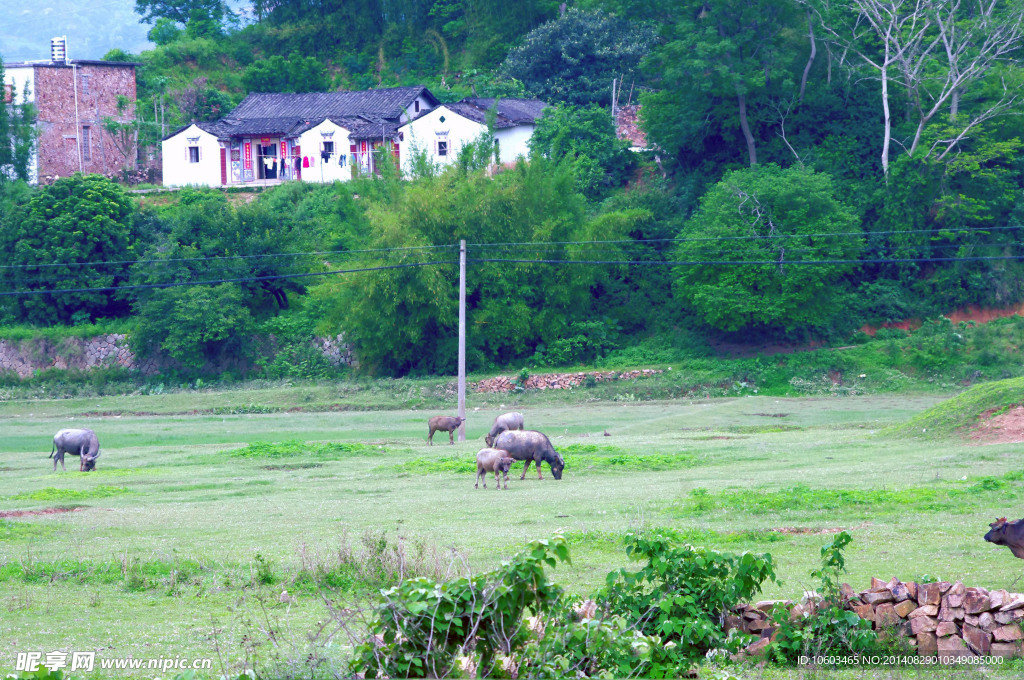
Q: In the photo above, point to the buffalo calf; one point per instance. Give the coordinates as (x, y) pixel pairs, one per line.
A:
(492, 460)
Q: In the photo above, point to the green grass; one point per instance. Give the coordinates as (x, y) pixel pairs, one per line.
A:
(964, 410)
(194, 523)
(54, 495)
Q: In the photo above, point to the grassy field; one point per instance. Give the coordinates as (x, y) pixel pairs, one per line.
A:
(184, 539)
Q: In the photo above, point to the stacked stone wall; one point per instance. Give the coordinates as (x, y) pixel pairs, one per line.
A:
(26, 357)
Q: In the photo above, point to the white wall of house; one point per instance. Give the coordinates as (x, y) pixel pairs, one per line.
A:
(20, 81)
(185, 167)
(417, 108)
(18, 77)
(311, 144)
(513, 142)
(442, 140)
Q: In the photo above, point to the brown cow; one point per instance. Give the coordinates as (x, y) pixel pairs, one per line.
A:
(492, 460)
(1010, 534)
(444, 424)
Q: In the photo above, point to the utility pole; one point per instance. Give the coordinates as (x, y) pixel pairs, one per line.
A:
(462, 339)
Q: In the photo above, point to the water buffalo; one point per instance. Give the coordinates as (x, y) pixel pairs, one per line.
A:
(82, 443)
(1010, 534)
(492, 460)
(506, 421)
(444, 424)
(533, 447)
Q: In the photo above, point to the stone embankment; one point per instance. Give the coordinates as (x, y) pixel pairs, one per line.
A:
(557, 381)
(25, 357)
(941, 619)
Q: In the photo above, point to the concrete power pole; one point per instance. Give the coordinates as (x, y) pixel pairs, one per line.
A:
(462, 338)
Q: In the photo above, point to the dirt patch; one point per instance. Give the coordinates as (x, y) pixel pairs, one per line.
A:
(770, 415)
(45, 511)
(1005, 428)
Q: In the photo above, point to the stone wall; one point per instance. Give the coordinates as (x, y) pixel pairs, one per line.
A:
(25, 357)
(941, 619)
(556, 381)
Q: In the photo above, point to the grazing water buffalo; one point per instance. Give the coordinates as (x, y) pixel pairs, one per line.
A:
(444, 424)
(82, 443)
(506, 421)
(533, 447)
(492, 460)
(1010, 534)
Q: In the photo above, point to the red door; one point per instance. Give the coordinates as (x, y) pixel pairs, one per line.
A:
(223, 166)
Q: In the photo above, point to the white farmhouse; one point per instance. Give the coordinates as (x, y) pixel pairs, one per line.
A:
(446, 129)
(314, 137)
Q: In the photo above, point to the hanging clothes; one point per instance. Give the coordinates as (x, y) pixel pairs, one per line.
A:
(305, 161)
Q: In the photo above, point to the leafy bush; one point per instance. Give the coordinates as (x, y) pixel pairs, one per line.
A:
(829, 628)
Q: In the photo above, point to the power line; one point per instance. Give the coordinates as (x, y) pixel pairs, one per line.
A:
(210, 282)
(781, 262)
(223, 257)
(684, 239)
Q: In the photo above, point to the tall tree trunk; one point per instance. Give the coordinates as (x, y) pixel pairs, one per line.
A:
(745, 126)
(887, 130)
(954, 105)
(810, 59)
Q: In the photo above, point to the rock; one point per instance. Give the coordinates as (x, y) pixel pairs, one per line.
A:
(951, 613)
(732, 623)
(758, 648)
(997, 598)
(979, 640)
(927, 644)
(944, 586)
(872, 597)
(912, 589)
(885, 615)
(987, 622)
(927, 610)
(878, 584)
(945, 628)
(952, 647)
(1016, 602)
(904, 608)
(847, 592)
(865, 611)
(766, 606)
(1007, 633)
(976, 600)
(923, 624)
(1007, 650)
(899, 591)
(971, 619)
(928, 593)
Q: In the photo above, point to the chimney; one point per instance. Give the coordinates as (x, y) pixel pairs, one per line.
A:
(59, 49)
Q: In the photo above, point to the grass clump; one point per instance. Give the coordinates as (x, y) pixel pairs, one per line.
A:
(801, 497)
(12, 531)
(51, 493)
(323, 450)
(963, 410)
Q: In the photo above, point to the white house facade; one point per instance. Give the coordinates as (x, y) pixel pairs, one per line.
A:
(447, 129)
(314, 137)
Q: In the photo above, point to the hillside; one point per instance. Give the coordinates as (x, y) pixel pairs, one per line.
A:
(989, 413)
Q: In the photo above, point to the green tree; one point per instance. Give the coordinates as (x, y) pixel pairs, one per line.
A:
(194, 324)
(70, 234)
(180, 11)
(278, 74)
(405, 320)
(767, 215)
(717, 58)
(574, 58)
(17, 134)
(585, 135)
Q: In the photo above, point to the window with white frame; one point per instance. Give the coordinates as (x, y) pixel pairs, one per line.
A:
(193, 154)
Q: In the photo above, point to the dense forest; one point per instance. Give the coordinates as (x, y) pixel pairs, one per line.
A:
(811, 168)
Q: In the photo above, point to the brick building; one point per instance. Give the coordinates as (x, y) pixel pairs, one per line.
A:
(72, 98)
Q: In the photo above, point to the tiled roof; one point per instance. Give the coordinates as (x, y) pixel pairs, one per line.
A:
(385, 103)
(511, 112)
(374, 130)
